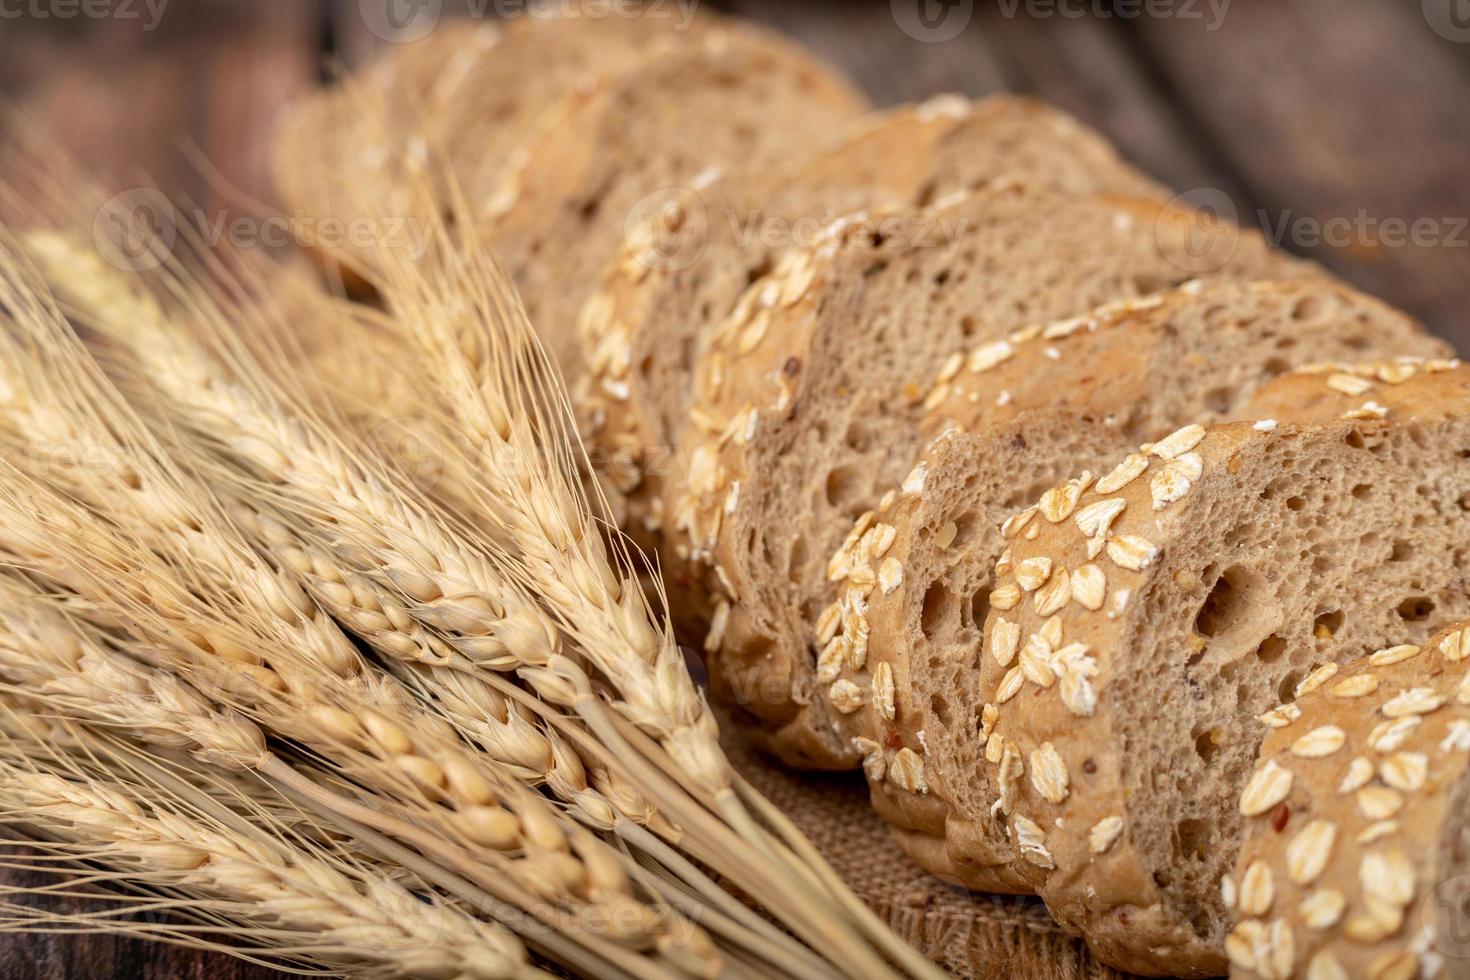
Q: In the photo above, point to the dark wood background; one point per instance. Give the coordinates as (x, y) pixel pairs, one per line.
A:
(1311, 111)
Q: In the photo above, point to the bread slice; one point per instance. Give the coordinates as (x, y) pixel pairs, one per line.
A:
(1015, 419)
(1214, 570)
(725, 99)
(1356, 860)
(460, 94)
(808, 401)
(646, 323)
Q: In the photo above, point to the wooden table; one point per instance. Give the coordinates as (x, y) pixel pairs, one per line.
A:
(1342, 127)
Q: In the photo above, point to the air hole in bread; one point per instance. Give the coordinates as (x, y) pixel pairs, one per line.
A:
(1327, 625)
(796, 564)
(859, 436)
(1192, 838)
(980, 605)
(1401, 551)
(1362, 491)
(1416, 609)
(940, 608)
(1271, 648)
(844, 486)
(940, 707)
(1307, 308)
(1207, 745)
(1286, 690)
(1220, 400)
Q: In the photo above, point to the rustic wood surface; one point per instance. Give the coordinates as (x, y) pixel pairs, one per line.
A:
(1349, 119)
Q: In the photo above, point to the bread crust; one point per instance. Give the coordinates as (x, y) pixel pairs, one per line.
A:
(755, 381)
(1053, 752)
(566, 198)
(649, 315)
(1080, 377)
(1354, 819)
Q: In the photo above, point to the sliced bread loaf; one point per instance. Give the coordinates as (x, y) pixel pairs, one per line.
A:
(460, 94)
(1215, 571)
(1356, 860)
(660, 296)
(808, 401)
(728, 98)
(1016, 418)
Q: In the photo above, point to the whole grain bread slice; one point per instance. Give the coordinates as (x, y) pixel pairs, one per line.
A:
(1356, 850)
(460, 95)
(662, 294)
(729, 98)
(1014, 419)
(1236, 565)
(808, 402)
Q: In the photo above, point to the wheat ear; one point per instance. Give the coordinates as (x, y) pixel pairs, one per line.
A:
(480, 351)
(425, 764)
(451, 586)
(224, 862)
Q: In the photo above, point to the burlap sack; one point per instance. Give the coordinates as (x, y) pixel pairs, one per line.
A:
(985, 937)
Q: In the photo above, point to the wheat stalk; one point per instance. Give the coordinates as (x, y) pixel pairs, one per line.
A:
(323, 698)
(376, 547)
(243, 875)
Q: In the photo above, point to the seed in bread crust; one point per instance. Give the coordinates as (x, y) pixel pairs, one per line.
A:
(1307, 854)
(1096, 519)
(1387, 736)
(1174, 479)
(1031, 840)
(1322, 909)
(1123, 474)
(1005, 640)
(1268, 787)
(1387, 876)
(1049, 773)
(1378, 802)
(1324, 966)
(1376, 831)
(1415, 701)
(1257, 890)
(1405, 771)
(1280, 716)
(1055, 594)
(1009, 685)
(1359, 686)
(845, 696)
(989, 355)
(1456, 645)
(1089, 587)
(1005, 596)
(883, 690)
(1076, 669)
(907, 771)
(1393, 655)
(1319, 676)
(1104, 833)
(1349, 385)
(1033, 573)
(890, 575)
(1359, 771)
(1132, 552)
(1319, 742)
(1178, 442)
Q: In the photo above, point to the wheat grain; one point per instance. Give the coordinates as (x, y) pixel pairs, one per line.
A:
(321, 694)
(358, 533)
(241, 877)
